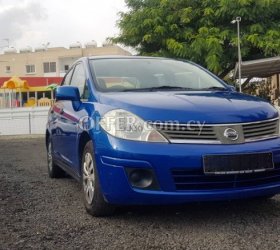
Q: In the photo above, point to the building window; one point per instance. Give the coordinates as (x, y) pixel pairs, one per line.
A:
(49, 67)
(8, 69)
(30, 69)
(66, 68)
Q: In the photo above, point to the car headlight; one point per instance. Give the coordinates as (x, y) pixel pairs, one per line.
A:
(125, 125)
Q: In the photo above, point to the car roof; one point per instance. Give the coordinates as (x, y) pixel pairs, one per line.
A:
(125, 57)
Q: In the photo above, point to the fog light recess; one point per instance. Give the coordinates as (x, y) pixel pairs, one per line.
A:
(142, 178)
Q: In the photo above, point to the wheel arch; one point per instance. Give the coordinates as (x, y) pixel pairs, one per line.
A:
(83, 140)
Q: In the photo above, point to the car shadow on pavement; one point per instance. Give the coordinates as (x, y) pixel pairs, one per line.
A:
(205, 210)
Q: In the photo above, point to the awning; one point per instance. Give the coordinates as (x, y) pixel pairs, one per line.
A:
(15, 83)
(18, 85)
(30, 89)
(259, 68)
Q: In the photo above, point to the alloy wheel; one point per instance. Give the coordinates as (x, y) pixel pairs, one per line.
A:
(50, 163)
(88, 178)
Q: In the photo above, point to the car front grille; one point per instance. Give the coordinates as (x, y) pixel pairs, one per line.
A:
(214, 133)
(190, 180)
(259, 130)
(185, 132)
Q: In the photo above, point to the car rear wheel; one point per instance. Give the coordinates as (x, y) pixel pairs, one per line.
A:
(92, 193)
(53, 170)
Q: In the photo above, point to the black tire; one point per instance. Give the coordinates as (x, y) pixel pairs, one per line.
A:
(92, 194)
(53, 170)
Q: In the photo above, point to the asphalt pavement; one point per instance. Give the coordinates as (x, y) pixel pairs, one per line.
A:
(41, 213)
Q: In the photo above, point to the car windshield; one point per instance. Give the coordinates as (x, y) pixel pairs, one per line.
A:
(151, 74)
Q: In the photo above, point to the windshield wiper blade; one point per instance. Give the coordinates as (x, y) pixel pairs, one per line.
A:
(159, 88)
(215, 88)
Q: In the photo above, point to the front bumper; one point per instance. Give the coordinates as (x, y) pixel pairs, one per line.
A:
(114, 155)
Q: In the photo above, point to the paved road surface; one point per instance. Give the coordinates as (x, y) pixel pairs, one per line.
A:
(40, 213)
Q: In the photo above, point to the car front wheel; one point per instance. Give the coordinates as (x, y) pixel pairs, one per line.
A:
(92, 194)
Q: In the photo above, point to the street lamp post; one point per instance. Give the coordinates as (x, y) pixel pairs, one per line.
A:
(238, 20)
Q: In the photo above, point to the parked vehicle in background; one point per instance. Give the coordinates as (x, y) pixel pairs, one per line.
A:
(143, 130)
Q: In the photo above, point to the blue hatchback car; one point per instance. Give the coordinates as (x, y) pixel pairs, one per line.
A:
(151, 131)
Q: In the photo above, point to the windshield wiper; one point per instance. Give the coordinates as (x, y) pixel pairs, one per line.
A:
(215, 88)
(174, 88)
(159, 88)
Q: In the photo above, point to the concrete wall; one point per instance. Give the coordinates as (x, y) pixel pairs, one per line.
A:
(23, 121)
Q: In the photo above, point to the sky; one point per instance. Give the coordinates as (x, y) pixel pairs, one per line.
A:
(59, 22)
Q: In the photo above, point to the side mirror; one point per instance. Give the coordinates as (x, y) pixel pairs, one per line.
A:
(68, 93)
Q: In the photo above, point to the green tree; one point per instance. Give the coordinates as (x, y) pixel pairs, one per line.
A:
(201, 30)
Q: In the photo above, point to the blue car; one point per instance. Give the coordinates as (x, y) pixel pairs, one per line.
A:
(154, 131)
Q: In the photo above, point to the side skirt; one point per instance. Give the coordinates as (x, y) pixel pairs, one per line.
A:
(67, 169)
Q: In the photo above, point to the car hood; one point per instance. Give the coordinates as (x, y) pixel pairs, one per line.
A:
(207, 107)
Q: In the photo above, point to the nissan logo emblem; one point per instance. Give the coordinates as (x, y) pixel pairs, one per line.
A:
(231, 134)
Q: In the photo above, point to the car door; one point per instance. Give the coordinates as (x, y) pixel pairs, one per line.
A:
(55, 120)
(70, 117)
